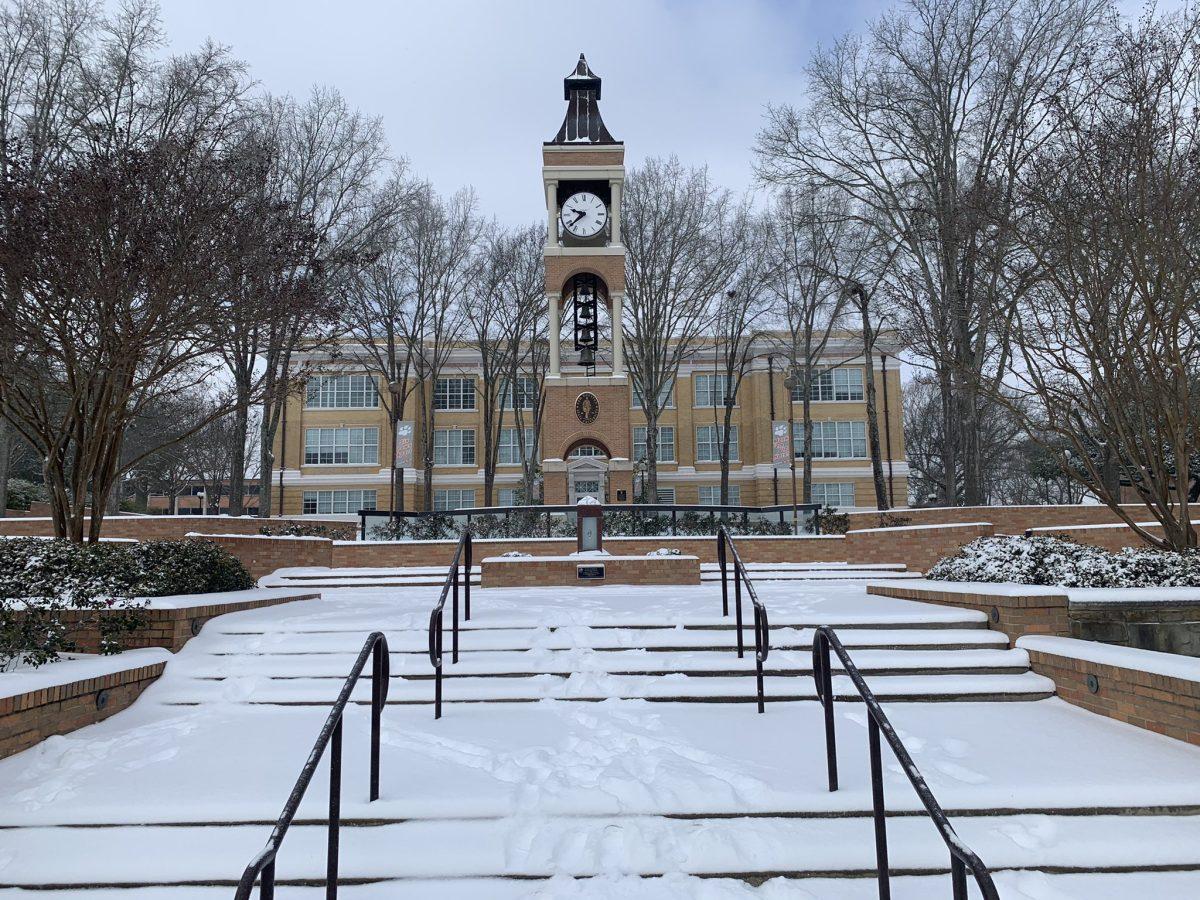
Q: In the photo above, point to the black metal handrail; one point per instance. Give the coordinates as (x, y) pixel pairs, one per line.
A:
(462, 556)
(762, 626)
(962, 858)
(331, 734)
(669, 511)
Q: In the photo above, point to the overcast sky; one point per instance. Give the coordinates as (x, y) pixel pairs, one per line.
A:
(468, 89)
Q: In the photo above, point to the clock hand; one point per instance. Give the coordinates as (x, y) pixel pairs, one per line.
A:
(579, 214)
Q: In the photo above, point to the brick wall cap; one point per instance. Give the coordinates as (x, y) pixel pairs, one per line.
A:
(83, 668)
(1110, 526)
(256, 537)
(922, 527)
(608, 537)
(1169, 665)
(229, 598)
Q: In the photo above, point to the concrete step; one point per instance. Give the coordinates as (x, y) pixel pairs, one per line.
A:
(500, 663)
(595, 686)
(750, 849)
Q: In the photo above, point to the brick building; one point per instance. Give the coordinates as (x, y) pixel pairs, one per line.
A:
(335, 448)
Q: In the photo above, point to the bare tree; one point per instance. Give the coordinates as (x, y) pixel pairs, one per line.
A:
(1109, 337)
(739, 319)
(680, 254)
(926, 122)
(437, 242)
(114, 256)
(806, 234)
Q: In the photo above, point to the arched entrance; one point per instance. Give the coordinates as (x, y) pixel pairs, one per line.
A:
(587, 471)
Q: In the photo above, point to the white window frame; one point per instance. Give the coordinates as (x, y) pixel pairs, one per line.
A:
(821, 488)
(356, 445)
(338, 502)
(510, 497)
(713, 492)
(453, 451)
(841, 385)
(666, 440)
(713, 391)
(710, 436)
(508, 448)
(459, 399)
(668, 389)
(341, 392)
(526, 390)
(848, 438)
(449, 499)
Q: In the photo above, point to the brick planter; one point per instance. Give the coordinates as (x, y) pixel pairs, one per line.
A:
(30, 717)
(1123, 684)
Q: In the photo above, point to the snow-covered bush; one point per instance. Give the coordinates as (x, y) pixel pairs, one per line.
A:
(1055, 561)
(53, 591)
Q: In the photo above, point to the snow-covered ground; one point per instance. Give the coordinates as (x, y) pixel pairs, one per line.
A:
(643, 797)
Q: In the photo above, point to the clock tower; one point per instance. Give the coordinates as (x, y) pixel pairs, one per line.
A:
(586, 437)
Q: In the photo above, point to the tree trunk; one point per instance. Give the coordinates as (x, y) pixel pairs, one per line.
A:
(651, 453)
(881, 493)
(808, 434)
(5, 456)
(237, 458)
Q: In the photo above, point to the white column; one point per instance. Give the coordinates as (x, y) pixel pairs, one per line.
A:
(618, 336)
(615, 188)
(555, 328)
(551, 213)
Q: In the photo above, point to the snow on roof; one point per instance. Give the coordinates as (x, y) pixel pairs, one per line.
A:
(1170, 665)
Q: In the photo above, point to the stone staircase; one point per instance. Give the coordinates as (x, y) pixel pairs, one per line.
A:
(617, 758)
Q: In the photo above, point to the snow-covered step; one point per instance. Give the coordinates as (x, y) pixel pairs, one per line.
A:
(412, 642)
(1017, 884)
(594, 686)
(569, 661)
(819, 575)
(749, 848)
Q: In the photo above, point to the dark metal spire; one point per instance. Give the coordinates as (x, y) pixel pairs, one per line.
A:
(583, 125)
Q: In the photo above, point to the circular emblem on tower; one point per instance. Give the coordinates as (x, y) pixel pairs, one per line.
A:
(587, 407)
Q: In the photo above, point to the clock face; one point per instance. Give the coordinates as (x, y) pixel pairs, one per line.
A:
(584, 214)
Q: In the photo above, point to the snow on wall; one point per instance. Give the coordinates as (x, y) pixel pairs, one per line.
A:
(1169, 665)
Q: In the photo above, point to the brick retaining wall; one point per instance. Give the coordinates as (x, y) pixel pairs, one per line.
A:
(1111, 537)
(29, 718)
(917, 546)
(563, 570)
(1007, 519)
(263, 555)
(1160, 703)
(1038, 612)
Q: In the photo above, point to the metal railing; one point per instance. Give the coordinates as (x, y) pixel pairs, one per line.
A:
(962, 858)
(263, 865)
(668, 519)
(762, 627)
(462, 558)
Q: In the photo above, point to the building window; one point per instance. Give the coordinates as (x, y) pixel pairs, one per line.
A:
(326, 502)
(511, 497)
(842, 385)
(522, 396)
(454, 394)
(666, 443)
(584, 451)
(710, 495)
(709, 390)
(833, 440)
(508, 451)
(341, 392)
(708, 443)
(666, 394)
(453, 498)
(454, 447)
(341, 446)
(666, 495)
(833, 493)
